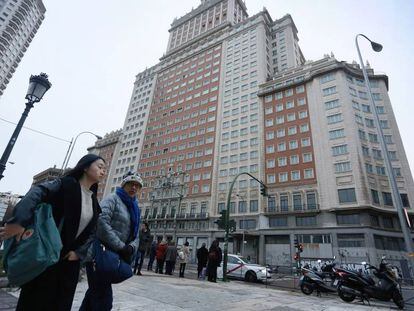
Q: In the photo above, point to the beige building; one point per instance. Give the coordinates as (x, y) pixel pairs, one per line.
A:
(19, 22)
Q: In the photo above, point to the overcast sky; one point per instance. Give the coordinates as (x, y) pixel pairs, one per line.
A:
(93, 49)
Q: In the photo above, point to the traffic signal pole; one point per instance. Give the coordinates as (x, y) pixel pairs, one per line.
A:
(227, 219)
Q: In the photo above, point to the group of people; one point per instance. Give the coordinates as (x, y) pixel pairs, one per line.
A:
(114, 222)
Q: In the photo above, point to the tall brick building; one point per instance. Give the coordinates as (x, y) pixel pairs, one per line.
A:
(234, 94)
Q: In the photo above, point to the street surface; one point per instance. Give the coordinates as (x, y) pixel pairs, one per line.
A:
(170, 293)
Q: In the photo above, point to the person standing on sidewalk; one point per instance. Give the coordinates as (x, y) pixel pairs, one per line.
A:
(75, 209)
(118, 230)
(214, 260)
(202, 258)
(183, 256)
(160, 255)
(144, 240)
(170, 258)
(152, 254)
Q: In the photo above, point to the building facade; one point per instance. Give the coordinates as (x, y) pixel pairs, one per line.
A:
(234, 94)
(105, 148)
(199, 108)
(19, 22)
(47, 175)
(325, 169)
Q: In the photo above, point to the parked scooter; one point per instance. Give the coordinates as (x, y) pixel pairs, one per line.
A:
(355, 284)
(322, 282)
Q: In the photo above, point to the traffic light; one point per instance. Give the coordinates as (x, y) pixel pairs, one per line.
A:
(263, 190)
(300, 248)
(296, 257)
(221, 222)
(296, 243)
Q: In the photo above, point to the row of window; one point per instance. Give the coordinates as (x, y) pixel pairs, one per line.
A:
(292, 144)
(291, 130)
(287, 93)
(295, 175)
(293, 160)
(288, 105)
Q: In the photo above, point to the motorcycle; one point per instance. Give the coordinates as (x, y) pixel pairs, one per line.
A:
(322, 282)
(355, 284)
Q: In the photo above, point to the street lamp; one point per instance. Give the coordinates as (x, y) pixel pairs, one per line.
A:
(396, 197)
(70, 149)
(244, 224)
(38, 86)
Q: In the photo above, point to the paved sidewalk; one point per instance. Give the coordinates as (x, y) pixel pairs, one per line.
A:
(170, 293)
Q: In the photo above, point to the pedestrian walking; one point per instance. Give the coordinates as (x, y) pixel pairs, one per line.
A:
(152, 254)
(170, 258)
(202, 258)
(75, 210)
(144, 240)
(183, 256)
(214, 260)
(118, 230)
(160, 255)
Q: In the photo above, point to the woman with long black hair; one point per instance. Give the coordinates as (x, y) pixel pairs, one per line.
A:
(75, 211)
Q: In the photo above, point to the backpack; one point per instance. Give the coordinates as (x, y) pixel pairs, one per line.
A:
(38, 249)
(212, 256)
(181, 255)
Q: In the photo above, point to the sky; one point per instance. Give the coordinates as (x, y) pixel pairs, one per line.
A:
(93, 49)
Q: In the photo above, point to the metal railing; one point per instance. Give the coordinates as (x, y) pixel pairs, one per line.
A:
(167, 216)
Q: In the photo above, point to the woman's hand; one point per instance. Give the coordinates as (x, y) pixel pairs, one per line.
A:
(71, 256)
(11, 230)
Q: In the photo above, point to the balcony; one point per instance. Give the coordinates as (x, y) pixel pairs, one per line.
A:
(180, 216)
(293, 209)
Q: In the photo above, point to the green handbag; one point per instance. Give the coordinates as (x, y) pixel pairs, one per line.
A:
(38, 249)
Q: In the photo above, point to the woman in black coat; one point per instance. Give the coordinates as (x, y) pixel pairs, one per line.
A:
(75, 211)
(214, 260)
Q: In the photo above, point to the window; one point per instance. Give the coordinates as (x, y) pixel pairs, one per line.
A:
(303, 114)
(404, 199)
(332, 104)
(306, 221)
(342, 167)
(351, 240)
(278, 222)
(329, 91)
(326, 78)
(282, 161)
(300, 89)
(283, 177)
(284, 203)
(291, 117)
(304, 128)
(308, 173)
(338, 150)
(248, 224)
(271, 178)
(335, 118)
(297, 202)
(387, 198)
(294, 159)
(281, 147)
(242, 206)
(375, 197)
(292, 130)
(307, 157)
(305, 142)
(311, 201)
(295, 175)
(387, 222)
(347, 195)
(293, 144)
(290, 104)
(339, 133)
(351, 219)
(254, 205)
(270, 163)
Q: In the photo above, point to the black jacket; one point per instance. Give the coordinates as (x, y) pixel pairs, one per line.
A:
(202, 256)
(65, 196)
(144, 240)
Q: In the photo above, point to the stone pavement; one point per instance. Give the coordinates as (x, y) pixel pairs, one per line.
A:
(159, 292)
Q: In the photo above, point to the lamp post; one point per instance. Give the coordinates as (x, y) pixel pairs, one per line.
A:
(70, 149)
(38, 86)
(396, 197)
(244, 224)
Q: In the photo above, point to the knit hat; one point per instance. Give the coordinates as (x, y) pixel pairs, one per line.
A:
(132, 177)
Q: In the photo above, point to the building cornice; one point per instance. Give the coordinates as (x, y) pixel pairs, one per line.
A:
(310, 71)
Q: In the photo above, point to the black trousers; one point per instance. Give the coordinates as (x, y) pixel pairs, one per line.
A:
(169, 267)
(53, 290)
(160, 266)
(200, 267)
(212, 272)
(182, 269)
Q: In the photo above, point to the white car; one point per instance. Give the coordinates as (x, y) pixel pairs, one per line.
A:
(240, 268)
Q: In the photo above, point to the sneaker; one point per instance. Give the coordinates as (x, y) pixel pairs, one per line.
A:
(139, 273)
